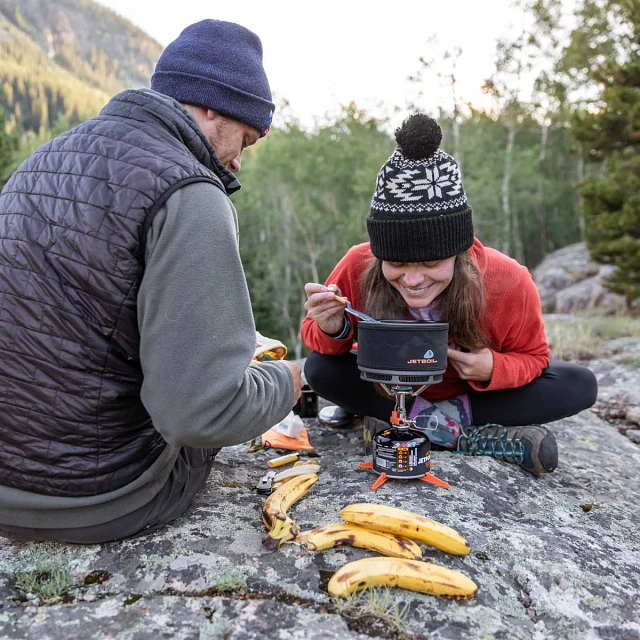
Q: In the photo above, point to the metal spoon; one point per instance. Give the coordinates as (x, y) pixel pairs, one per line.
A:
(355, 312)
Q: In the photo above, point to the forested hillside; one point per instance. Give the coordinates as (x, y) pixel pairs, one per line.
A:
(62, 59)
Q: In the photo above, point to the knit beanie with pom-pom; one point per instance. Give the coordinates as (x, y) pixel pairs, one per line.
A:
(419, 211)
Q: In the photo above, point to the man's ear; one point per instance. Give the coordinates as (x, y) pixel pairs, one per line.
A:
(212, 115)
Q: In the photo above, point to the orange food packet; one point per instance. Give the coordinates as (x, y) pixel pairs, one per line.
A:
(277, 440)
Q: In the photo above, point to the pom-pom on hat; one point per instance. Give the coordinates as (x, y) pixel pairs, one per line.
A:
(419, 211)
(217, 65)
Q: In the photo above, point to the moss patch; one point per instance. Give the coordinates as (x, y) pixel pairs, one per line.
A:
(97, 577)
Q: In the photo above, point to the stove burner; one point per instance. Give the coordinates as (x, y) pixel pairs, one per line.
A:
(404, 358)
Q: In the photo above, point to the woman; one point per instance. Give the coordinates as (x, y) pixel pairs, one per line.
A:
(423, 261)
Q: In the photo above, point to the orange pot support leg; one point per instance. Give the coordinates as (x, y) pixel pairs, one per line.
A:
(431, 479)
(379, 482)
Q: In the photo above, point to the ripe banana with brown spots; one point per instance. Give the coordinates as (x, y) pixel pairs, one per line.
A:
(406, 524)
(280, 526)
(339, 533)
(414, 575)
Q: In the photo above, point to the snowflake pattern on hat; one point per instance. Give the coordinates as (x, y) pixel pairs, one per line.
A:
(407, 185)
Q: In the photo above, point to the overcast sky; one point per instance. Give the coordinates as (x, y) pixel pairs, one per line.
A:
(320, 55)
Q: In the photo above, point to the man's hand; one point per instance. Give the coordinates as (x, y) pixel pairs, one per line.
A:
(322, 306)
(298, 382)
(475, 365)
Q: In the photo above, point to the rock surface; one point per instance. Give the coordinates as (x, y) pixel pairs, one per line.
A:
(569, 281)
(619, 391)
(590, 293)
(555, 557)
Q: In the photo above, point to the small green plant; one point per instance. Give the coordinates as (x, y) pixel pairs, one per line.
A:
(377, 603)
(231, 581)
(50, 585)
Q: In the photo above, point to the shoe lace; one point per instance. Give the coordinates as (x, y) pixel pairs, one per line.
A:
(498, 445)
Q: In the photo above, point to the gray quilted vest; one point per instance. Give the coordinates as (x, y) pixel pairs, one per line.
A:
(73, 221)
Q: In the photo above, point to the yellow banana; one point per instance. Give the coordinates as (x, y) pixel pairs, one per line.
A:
(407, 524)
(414, 575)
(333, 535)
(274, 511)
(278, 503)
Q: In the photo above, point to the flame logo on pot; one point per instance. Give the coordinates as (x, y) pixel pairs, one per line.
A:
(428, 354)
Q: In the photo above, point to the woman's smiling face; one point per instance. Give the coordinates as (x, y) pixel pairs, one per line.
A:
(419, 283)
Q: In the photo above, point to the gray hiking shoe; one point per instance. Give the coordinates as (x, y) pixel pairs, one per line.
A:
(334, 416)
(532, 447)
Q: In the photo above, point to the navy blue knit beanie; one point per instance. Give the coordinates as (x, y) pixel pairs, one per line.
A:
(217, 65)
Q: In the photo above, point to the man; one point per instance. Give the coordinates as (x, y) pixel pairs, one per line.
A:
(126, 330)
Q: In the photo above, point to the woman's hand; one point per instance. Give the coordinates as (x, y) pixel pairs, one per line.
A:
(473, 365)
(322, 306)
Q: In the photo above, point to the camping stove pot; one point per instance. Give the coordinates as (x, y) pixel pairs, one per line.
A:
(401, 453)
(406, 352)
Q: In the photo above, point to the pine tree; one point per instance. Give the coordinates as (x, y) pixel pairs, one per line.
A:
(606, 48)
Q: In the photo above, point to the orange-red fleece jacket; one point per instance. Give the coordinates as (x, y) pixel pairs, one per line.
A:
(512, 321)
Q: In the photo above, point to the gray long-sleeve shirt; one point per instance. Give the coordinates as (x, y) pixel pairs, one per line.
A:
(197, 339)
(197, 330)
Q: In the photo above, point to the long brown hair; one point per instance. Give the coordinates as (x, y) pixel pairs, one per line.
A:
(462, 302)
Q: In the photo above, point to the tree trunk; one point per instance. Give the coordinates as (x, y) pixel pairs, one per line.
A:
(457, 142)
(506, 182)
(539, 210)
(579, 203)
(303, 313)
(285, 291)
(514, 237)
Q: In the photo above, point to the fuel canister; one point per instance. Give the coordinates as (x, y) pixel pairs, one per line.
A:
(401, 453)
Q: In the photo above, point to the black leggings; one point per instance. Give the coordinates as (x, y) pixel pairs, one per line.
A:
(563, 389)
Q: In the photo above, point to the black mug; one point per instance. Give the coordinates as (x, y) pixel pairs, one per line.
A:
(307, 405)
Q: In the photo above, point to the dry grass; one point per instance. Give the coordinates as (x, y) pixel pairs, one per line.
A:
(584, 337)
